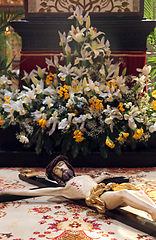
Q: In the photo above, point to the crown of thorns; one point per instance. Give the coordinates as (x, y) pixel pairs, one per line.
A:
(49, 169)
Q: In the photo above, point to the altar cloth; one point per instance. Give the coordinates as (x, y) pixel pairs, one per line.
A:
(58, 218)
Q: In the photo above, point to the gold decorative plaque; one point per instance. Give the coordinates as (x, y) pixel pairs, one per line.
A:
(65, 6)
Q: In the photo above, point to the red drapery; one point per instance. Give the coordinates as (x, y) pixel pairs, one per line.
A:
(131, 59)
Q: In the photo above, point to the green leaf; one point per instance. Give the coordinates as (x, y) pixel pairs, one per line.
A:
(103, 151)
(67, 142)
(133, 143)
(84, 147)
(48, 145)
(124, 71)
(75, 150)
(39, 144)
(117, 150)
(33, 138)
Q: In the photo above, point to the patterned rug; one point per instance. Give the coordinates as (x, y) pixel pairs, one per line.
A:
(62, 219)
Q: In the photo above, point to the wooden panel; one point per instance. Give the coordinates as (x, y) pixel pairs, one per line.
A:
(46, 8)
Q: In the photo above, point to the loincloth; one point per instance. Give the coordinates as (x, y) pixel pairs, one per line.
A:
(94, 200)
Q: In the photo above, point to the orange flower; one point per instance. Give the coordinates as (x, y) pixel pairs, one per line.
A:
(120, 106)
(154, 105)
(125, 135)
(64, 92)
(1, 121)
(96, 105)
(78, 136)
(50, 78)
(120, 138)
(138, 133)
(109, 143)
(42, 123)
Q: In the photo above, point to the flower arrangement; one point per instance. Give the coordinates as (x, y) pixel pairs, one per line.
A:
(84, 105)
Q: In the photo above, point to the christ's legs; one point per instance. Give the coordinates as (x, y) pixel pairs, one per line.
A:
(130, 198)
(144, 196)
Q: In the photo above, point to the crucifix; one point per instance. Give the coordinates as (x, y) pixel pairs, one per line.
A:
(104, 197)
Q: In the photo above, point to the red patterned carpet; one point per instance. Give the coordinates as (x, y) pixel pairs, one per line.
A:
(62, 219)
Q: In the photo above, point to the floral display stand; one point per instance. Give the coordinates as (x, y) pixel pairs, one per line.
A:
(12, 154)
(90, 104)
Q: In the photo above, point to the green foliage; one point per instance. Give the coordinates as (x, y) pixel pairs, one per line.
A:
(150, 13)
(6, 15)
(150, 9)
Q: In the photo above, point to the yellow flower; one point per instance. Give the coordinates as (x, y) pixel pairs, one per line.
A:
(42, 123)
(110, 84)
(109, 143)
(7, 100)
(78, 136)
(125, 135)
(120, 138)
(120, 106)
(138, 133)
(64, 92)
(1, 121)
(50, 78)
(154, 94)
(96, 105)
(76, 112)
(154, 105)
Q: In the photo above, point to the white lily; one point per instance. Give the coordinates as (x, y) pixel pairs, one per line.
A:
(3, 80)
(107, 48)
(52, 63)
(96, 46)
(78, 14)
(77, 34)
(65, 70)
(28, 94)
(49, 91)
(90, 86)
(93, 33)
(152, 128)
(82, 118)
(9, 106)
(28, 76)
(102, 71)
(64, 124)
(39, 114)
(76, 86)
(70, 116)
(112, 114)
(141, 81)
(131, 116)
(113, 71)
(120, 81)
(68, 50)
(20, 108)
(145, 70)
(40, 87)
(23, 139)
(63, 39)
(52, 120)
(48, 100)
(79, 72)
(85, 55)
